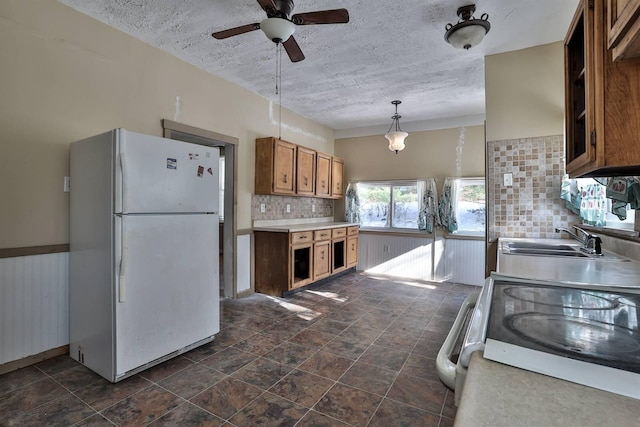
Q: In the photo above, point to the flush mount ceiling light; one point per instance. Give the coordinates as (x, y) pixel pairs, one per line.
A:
(396, 138)
(469, 31)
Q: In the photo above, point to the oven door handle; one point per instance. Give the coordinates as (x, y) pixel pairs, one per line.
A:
(445, 367)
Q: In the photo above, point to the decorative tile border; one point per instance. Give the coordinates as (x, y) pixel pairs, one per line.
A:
(531, 207)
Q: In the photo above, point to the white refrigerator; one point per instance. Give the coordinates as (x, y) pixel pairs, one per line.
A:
(144, 251)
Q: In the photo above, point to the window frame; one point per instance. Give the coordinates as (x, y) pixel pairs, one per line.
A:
(391, 184)
(461, 182)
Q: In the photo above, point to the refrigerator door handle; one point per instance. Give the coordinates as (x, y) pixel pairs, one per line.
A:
(123, 261)
(123, 168)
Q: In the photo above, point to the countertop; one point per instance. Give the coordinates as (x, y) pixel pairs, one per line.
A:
(498, 395)
(584, 271)
(292, 228)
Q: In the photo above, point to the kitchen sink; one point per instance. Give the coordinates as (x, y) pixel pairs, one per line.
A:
(555, 250)
(548, 252)
(532, 246)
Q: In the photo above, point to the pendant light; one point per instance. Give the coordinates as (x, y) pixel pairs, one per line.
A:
(396, 138)
(469, 31)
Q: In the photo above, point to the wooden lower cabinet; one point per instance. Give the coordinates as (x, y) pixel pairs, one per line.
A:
(321, 260)
(352, 251)
(287, 261)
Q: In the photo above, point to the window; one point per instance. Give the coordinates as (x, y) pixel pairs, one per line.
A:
(610, 220)
(389, 204)
(470, 206)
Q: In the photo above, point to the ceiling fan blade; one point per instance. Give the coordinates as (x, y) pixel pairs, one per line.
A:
(293, 50)
(235, 31)
(333, 16)
(267, 4)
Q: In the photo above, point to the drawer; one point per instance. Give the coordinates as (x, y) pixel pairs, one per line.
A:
(322, 235)
(301, 237)
(352, 230)
(338, 232)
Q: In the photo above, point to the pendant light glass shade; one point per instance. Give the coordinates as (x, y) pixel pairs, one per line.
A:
(396, 137)
(277, 30)
(396, 140)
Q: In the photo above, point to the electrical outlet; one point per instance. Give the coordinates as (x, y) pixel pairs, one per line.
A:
(313, 208)
(263, 208)
(288, 208)
(67, 184)
(385, 248)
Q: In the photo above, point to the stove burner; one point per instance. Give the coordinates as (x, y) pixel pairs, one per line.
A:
(577, 336)
(561, 297)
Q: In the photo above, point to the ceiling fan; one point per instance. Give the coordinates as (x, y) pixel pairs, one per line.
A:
(279, 27)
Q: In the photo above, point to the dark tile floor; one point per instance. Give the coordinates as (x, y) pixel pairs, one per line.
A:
(357, 351)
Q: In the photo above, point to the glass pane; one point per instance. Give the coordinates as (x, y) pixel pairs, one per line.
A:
(405, 206)
(471, 208)
(374, 205)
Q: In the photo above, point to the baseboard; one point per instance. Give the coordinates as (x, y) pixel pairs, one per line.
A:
(33, 359)
(246, 293)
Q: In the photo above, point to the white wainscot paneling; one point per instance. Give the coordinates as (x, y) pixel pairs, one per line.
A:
(244, 262)
(460, 261)
(422, 258)
(34, 305)
(401, 256)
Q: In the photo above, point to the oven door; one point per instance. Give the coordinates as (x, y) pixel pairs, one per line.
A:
(453, 374)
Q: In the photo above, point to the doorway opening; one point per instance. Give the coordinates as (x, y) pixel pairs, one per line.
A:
(228, 193)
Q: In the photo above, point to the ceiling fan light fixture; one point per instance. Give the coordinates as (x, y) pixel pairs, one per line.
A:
(469, 31)
(396, 137)
(278, 30)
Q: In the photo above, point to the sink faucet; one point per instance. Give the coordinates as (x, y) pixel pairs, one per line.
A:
(591, 243)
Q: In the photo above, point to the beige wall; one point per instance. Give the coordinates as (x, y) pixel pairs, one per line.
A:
(524, 93)
(427, 154)
(66, 76)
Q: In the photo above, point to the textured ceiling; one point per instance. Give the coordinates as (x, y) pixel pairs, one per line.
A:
(389, 50)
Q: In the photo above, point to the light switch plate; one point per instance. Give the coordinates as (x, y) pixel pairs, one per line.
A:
(508, 179)
(288, 208)
(263, 208)
(313, 208)
(67, 184)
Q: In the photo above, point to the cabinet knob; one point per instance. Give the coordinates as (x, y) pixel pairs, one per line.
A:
(323, 183)
(306, 180)
(285, 178)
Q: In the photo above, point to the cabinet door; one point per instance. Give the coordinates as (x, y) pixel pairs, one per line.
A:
(306, 177)
(352, 251)
(321, 259)
(302, 265)
(337, 171)
(580, 91)
(323, 175)
(284, 168)
(623, 28)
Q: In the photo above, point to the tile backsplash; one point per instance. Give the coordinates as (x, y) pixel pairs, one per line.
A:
(300, 207)
(531, 206)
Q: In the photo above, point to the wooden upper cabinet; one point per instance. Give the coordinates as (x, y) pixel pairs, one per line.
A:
(602, 99)
(323, 175)
(337, 174)
(275, 167)
(623, 28)
(306, 175)
(580, 90)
